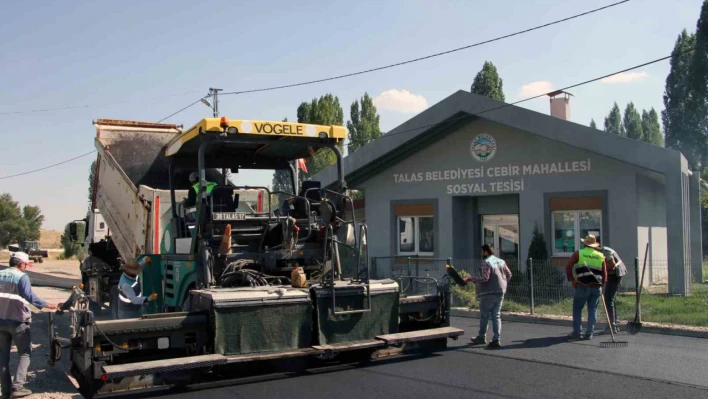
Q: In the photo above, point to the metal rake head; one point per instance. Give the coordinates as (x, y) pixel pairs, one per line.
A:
(614, 344)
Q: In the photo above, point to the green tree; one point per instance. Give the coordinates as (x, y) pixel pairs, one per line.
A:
(12, 224)
(676, 92)
(698, 98)
(364, 124)
(538, 250)
(651, 128)
(92, 181)
(488, 83)
(33, 222)
(593, 124)
(633, 122)
(72, 248)
(323, 111)
(613, 122)
(18, 224)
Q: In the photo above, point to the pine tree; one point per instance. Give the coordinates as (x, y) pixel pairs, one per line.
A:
(651, 128)
(613, 122)
(676, 93)
(698, 98)
(632, 122)
(488, 83)
(538, 251)
(593, 124)
(364, 124)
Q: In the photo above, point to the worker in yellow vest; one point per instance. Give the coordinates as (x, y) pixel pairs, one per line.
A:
(587, 271)
(194, 191)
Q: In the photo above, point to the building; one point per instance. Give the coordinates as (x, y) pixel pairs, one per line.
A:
(472, 170)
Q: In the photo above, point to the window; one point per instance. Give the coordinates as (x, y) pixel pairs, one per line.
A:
(101, 226)
(416, 235)
(569, 227)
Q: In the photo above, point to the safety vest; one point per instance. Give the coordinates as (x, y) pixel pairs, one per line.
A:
(12, 305)
(588, 270)
(134, 283)
(209, 186)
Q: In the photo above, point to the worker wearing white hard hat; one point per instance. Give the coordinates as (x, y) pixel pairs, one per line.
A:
(16, 296)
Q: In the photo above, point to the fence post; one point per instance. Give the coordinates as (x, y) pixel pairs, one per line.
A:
(636, 276)
(374, 267)
(531, 304)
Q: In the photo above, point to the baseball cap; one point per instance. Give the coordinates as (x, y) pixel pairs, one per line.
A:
(22, 257)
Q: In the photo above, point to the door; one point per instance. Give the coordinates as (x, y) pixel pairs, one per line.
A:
(501, 232)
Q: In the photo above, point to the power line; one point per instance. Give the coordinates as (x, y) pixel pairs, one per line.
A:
(448, 120)
(544, 94)
(69, 107)
(427, 56)
(175, 113)
(47, 167)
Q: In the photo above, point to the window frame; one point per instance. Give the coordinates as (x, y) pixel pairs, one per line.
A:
(416, 227)
(576, 229)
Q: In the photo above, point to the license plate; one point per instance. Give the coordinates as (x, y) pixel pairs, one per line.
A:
(228, 216)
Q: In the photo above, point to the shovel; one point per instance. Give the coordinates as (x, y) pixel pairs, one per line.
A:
(635, 326)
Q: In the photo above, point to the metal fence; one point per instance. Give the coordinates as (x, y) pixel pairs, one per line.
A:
(537, 287)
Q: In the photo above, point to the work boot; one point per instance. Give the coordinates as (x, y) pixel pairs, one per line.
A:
(494, 344)
(574, 336)
(21, 393)
(587, 337)
(617, 328)
(479, 340)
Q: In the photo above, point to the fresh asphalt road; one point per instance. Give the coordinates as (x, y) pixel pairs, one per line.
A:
(535, 362)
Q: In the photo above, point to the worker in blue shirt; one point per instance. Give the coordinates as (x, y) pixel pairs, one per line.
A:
(15, 317)
(130, 292)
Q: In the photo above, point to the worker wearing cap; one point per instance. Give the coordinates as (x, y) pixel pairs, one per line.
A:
(194, 192)
(587, 270)
(615, 271)
(130, 299)
(15, 318)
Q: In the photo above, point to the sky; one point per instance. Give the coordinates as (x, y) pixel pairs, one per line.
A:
(153, 58)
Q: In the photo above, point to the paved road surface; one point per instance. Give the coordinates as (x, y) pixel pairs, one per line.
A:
(536, 362)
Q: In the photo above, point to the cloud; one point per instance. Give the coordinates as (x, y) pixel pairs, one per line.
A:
(401, 101)
(625, 77)
(535, 88)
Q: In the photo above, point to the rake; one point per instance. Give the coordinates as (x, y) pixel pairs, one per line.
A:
(613, 343)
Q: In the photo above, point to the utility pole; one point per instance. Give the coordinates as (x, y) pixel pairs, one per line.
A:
(215, 93)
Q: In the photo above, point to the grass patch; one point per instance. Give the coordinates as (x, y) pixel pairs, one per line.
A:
(656, 308)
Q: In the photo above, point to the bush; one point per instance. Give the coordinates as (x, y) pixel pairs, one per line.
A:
(465, 296)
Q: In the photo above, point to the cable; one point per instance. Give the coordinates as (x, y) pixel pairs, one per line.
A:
(92, 105)
(333, 77)
(542, 95)
(183, 109)
(47, 167)
(424, 57)
(446, 121)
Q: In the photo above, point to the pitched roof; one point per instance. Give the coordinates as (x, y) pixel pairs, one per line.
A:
(463, 107)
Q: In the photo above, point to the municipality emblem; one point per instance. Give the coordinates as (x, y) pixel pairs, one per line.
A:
(483, 147)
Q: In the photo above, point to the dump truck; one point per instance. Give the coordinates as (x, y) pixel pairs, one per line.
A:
(239, 291)
(130, 206)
